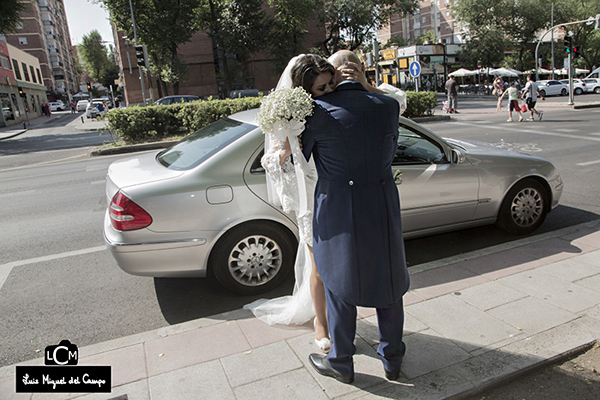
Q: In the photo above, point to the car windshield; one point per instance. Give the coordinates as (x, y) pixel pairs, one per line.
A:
(199, 146)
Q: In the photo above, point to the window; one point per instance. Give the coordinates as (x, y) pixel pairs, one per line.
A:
(19, 25)
(448, 27)
(447, 13)
(22, 40)
(439, 15)
(424, 19)
(25, 73)
(39, 76)
(32, 74)
(413, 148)
(5, 62)
(17, 70)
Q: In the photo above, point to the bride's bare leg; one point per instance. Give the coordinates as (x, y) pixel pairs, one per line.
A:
(317, 292)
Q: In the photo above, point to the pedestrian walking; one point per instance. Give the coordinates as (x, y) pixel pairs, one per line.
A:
(498, 90)
(452, 90)
(513, 101)
(48, 113)
(530, 93)
(72, 107)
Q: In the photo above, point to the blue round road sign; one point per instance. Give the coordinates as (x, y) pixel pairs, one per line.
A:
(415, 69)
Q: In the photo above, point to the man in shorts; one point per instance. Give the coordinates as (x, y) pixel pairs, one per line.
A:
(530, 94)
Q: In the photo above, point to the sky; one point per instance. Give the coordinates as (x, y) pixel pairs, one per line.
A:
(83, 17)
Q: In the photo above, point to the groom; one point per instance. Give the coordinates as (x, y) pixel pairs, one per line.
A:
(357, 232)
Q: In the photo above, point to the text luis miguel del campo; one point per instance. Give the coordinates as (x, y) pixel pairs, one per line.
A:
(61, 374)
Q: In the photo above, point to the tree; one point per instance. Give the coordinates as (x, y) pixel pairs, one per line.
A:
(428, 36)
(9, 17)
(585, 37)
(517, 20)
(93, 53)
(288, 28)
(162, 25)
(396, 40)
(485, 46)
(350, 23)
(238, 29)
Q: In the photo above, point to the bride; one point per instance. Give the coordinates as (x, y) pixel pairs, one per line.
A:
(288, 189)
(316, 76)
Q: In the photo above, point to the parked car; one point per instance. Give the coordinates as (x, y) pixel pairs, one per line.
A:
(57, 106)
(202, 203)
(82, 105)
(592, 84)
(95, 108)
(165, 101)
(579, 87)
(8, 113)
(553, 88)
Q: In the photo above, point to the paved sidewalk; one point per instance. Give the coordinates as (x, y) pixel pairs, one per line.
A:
(471, 321)
(12, 131)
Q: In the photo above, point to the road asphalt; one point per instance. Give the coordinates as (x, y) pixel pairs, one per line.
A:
(472, 322)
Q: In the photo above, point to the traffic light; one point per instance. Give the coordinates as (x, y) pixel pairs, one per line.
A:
(21, 92)
(575, 51)
(568, 44)
(89, 86)
(139, 54)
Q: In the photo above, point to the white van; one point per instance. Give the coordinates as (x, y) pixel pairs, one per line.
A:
(595, 74)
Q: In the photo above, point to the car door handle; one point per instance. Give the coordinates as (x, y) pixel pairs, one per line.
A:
(398, 177)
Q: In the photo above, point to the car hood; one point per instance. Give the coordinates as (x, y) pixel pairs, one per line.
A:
(139, 170)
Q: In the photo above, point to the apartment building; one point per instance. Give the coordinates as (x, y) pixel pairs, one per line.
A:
(22, 93)
(435, 15)
(44, 33)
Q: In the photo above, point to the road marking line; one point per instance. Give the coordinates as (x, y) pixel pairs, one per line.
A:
(585, 164)
(566, 130)
(5, 269)
(593, 139)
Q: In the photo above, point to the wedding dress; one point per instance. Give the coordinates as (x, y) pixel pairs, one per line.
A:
(283, 191)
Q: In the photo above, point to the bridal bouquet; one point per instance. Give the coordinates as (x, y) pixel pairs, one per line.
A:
(284, 112)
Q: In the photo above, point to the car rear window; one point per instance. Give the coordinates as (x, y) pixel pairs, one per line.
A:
(199, 146)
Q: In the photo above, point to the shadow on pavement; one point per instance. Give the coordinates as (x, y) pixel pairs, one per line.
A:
(186, 299)
(31, 144)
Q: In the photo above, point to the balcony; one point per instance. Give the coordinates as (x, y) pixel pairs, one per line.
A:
(59, 77)
(48, 23)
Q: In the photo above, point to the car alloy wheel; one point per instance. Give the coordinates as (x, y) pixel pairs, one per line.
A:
(543, 93)
(578, 91)
(597, 90)
(563, 92)
(253, 258)
(524, 208)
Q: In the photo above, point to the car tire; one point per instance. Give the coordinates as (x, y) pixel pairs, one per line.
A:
(524, 208)
(578, 91)
(564, 92)
(253, 258)
(543, 93)
(597, 90)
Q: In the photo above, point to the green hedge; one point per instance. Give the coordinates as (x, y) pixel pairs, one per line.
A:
(420, 104)
(156, 123)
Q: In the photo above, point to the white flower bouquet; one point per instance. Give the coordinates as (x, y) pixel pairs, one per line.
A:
(284, 112)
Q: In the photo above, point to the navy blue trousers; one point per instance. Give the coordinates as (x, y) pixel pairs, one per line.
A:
(341, 318)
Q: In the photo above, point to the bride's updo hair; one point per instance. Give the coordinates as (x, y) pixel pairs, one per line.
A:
(307, 68)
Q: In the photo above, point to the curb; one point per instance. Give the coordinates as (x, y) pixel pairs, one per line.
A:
(433, 118)
(588, 105)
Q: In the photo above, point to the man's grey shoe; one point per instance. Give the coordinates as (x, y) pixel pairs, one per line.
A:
(540, 114)
(320, 363)
(392, 376)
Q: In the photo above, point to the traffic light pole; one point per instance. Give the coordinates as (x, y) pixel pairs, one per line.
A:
(570, 61)
(542, 37)
(136, 43)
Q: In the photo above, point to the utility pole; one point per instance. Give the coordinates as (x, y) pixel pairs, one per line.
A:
(136, 43)
(552, 24)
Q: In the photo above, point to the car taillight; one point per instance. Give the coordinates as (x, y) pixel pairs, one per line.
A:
(125, 215)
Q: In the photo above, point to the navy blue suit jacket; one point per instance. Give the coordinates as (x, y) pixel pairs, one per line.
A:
(357, 231)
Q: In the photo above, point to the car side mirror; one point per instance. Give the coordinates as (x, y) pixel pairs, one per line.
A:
(456, 157)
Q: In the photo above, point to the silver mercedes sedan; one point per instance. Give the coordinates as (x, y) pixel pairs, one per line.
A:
(202, 204)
